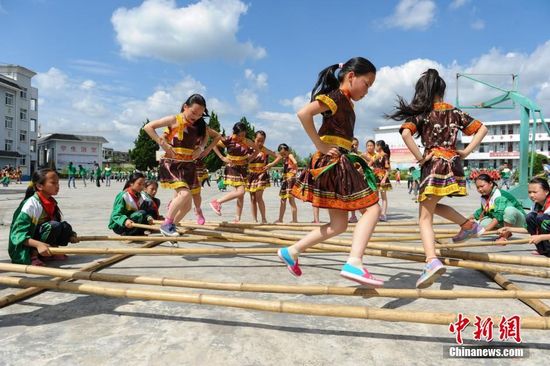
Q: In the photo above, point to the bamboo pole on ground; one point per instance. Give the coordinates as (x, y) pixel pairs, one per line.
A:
(274, 288)
(187, 237)
(388, 223)
(91, 267)
(344, 311)
(537, 305)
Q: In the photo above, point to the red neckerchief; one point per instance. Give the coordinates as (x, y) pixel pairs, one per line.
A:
(49, 205)
(546, 204)
(134, 196)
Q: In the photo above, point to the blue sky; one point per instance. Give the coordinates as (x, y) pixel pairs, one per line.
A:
(105, 66)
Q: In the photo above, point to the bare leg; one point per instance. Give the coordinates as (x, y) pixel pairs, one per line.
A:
(425, 220)
(384, 199)
(238, 192)
(338, 224)
(180, 205)
(363, 231)
(294, 209)
(282, 209)
(253, 203)
(316, 215)
(261, 205)
(449, 213)
(197, 201)
(240, 203)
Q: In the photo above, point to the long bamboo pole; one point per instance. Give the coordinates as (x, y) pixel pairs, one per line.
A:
(347, 311)
(388, 223)
(187, 237)
(274, 288)
(94, 266)
(537, 305)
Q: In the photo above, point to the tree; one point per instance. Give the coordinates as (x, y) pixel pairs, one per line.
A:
(212, 161)
(250, 129)
(143, 155)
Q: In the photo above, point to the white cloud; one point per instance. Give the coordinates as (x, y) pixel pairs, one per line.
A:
(412, 14)
(259, 81)
(248, 100)
(87, 85)
(90, 106)
(478, 24)
(52, 80)
(297, 102)
(455, 4)
(203, 30)
(93, 67)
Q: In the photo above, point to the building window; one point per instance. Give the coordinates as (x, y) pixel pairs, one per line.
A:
(9, 98)
(23, 114)
(33, 146)
(23, 93)
(33, 125)
(22, 161)
(8, 145)
(481, 148)
(34, 104)
(8, 122)
(23, 136)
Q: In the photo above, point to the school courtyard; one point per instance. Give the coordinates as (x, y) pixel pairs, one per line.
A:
(60, 328)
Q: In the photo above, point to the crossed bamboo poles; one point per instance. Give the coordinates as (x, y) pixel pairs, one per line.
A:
(488, 263)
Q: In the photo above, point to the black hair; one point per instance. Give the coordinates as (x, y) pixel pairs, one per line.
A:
(239, 127)
(328, 80)
(486, 178)
(283, 147)
(355, 139)
(38, 177)
(132, 178)
(429, 86)
(385, 147)
(542, 182)
(201, 123)
(373, 142)
(260, 132)
(150, 182)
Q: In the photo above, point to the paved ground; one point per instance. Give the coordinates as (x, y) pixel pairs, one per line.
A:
(60, 328)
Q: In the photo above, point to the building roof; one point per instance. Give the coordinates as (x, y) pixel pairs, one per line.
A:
(10, 154)
(8, 82)
(64, 136)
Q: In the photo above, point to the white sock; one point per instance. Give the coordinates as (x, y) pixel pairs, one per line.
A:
(356, 262)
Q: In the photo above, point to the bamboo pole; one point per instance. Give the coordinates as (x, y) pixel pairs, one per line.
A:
(90, 267)
(537, 305)
(347, 311)
(187, 237)
(274, 288)
(388, 223)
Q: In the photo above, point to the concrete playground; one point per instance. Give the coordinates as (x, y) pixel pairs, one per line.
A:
(58, 328)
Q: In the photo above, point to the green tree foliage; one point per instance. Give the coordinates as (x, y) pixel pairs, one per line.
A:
(212, 161)
(250, 129)
(538, 169)
(143, 155)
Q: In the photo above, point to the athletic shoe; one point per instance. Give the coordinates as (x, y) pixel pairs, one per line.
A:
(360, 275)
(465, 234)
(383, 218)
(217, 207)
(291, 264)
(352, 219)
(169, 230)
(432, 271)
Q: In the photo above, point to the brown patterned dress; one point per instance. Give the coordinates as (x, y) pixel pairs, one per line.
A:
(202, 171)
(238, 152)
(443, 175)
(258, 178)
(289, 178)
(381, 165)
(180, 171)
(335, 182)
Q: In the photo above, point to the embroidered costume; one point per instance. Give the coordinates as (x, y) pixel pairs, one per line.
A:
(381, 166)
(443, 174)
(335, 182)
(288, 179)
(258, 178)
(237, 152)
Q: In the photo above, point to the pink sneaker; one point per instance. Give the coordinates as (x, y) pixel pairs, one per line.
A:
(216, 206)
(360, 275)
(200, 218)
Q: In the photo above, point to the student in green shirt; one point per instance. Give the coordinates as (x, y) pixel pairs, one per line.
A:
(36, 225)
(498, 207)
(128, 208)
(82, 172)
(71, 172)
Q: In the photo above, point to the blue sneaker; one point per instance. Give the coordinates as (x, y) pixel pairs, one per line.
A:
(432, 271)
(360, 275)
(291, 264)
(169, 230)
(465, 234)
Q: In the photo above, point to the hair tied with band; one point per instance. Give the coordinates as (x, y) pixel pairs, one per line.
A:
(340, 65)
